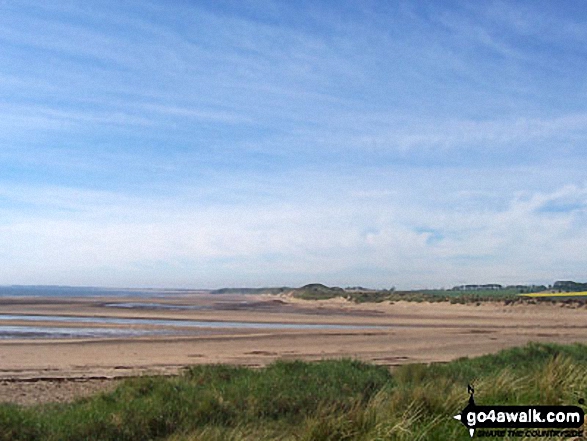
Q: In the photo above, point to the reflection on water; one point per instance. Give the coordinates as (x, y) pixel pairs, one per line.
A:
(40, 331)
(180, 322)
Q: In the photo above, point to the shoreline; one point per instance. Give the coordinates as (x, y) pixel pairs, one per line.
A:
(416, 333)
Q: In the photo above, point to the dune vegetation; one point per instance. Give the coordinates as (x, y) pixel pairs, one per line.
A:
(326, 400)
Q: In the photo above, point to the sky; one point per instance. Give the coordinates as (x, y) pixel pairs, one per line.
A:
(205, 144)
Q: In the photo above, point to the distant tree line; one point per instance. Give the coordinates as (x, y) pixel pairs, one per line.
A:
(497, 287)
(569, 286)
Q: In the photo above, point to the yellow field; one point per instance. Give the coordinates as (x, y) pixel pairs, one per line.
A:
(558, 294)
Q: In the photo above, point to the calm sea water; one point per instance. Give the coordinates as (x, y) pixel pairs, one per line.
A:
(36, 332)
(57, 326)
(180, 323)
(131, 327)
(86, 291)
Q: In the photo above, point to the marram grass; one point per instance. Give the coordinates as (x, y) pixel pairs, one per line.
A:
(328, 400)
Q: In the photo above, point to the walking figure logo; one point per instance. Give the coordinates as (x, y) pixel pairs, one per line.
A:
(558, 419)
(470, 406)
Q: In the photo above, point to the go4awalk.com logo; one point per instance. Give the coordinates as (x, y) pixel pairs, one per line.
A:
(521, 420)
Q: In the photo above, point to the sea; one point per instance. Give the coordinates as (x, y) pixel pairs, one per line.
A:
(88, 291)
(39, 326)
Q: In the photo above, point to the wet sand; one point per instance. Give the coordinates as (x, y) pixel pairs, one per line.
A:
(42, 369)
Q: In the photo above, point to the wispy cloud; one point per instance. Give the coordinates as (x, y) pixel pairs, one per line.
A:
(213, 144)
(76, 233)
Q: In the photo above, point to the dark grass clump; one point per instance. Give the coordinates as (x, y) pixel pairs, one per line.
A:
(291, 390)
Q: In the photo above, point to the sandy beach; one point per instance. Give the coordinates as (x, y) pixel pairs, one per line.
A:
(56, 369)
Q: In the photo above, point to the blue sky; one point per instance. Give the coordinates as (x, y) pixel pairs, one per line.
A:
(209, 144)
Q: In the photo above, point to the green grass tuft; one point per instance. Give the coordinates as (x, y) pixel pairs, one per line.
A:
(327, 400)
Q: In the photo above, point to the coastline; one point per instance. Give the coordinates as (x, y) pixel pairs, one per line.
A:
(411, 333)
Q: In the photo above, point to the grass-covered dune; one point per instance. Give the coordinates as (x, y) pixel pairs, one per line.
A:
(507, 296)
(328, 400)
(318, 291)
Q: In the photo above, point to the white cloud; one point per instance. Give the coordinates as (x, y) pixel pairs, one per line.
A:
(281, 242)
(185, 145)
